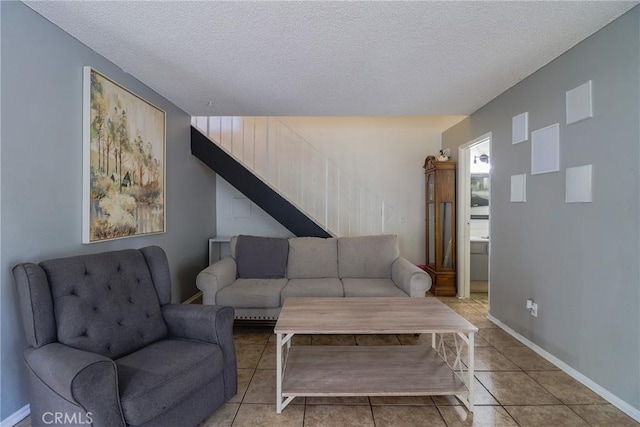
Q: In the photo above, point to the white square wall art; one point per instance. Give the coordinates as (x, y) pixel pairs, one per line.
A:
(578, 184)
(520, 128)
(579, 103)
(519, 188)
(545, 150)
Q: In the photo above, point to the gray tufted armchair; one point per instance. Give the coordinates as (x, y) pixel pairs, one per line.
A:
(107, 348)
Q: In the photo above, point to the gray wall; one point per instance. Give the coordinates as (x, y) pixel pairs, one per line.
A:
(579, 262)
(41, 173)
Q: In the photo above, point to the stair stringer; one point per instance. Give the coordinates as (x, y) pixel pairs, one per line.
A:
(259, 192)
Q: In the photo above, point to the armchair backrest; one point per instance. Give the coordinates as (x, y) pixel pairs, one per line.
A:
(107, 303)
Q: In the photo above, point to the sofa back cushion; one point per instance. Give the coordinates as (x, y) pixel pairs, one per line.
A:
(105, 303)
(367, 256)
(261, 257)
(232, 246)
(312, 257)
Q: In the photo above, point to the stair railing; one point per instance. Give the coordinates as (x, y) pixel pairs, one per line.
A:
(299, 172)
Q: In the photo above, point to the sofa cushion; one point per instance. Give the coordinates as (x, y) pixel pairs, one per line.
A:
(252, 293)
(162, 374)
(367, 256)
(371, 288)
(328, 287)
(312, 257)
(261, 257)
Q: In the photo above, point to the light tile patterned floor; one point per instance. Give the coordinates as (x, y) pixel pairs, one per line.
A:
(514, 386)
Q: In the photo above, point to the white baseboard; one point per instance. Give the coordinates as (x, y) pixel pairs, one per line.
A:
(595, 387)
(16, 417)
(193, 298)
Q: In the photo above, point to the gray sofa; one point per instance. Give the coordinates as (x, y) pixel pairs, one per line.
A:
(262, 272)
(106, 348)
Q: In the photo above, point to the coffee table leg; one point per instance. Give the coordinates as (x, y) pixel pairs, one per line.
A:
(280, 366)
(279, 374)
(468, 375)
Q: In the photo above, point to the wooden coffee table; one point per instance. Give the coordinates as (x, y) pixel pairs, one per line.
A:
(396, 370)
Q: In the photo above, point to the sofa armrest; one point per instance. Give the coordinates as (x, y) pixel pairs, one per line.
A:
(85, 379)
(215, 277)
(410, 278)
(209, 323)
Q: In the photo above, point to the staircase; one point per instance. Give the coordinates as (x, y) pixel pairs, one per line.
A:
(253, 187)
(287, 177)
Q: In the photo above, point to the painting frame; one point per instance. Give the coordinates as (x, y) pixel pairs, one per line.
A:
(123, 162)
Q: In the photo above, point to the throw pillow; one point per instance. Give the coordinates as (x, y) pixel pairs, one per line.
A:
(261, 257)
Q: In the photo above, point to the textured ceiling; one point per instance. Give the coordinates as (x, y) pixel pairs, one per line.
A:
(330, 58)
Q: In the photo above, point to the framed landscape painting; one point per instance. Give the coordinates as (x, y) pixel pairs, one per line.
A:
(123, 162)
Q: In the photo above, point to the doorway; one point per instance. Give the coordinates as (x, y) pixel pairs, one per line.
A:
(474, 179)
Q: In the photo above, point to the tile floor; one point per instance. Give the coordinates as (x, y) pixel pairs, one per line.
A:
(514, 387)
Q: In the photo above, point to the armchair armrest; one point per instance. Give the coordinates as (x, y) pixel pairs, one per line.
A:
(209, 323)
(410, 278)
(85, 379)
(215, 277)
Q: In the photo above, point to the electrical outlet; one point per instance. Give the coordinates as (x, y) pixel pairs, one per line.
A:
(532, 308)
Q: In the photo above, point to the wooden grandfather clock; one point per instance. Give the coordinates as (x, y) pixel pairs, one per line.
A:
(440, 211)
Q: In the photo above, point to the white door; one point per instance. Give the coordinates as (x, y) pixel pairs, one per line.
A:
(464, 212)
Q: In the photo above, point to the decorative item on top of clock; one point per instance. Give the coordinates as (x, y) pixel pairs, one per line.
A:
(444, 155)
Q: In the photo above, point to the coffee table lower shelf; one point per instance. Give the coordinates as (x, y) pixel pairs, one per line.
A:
(414, 370)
